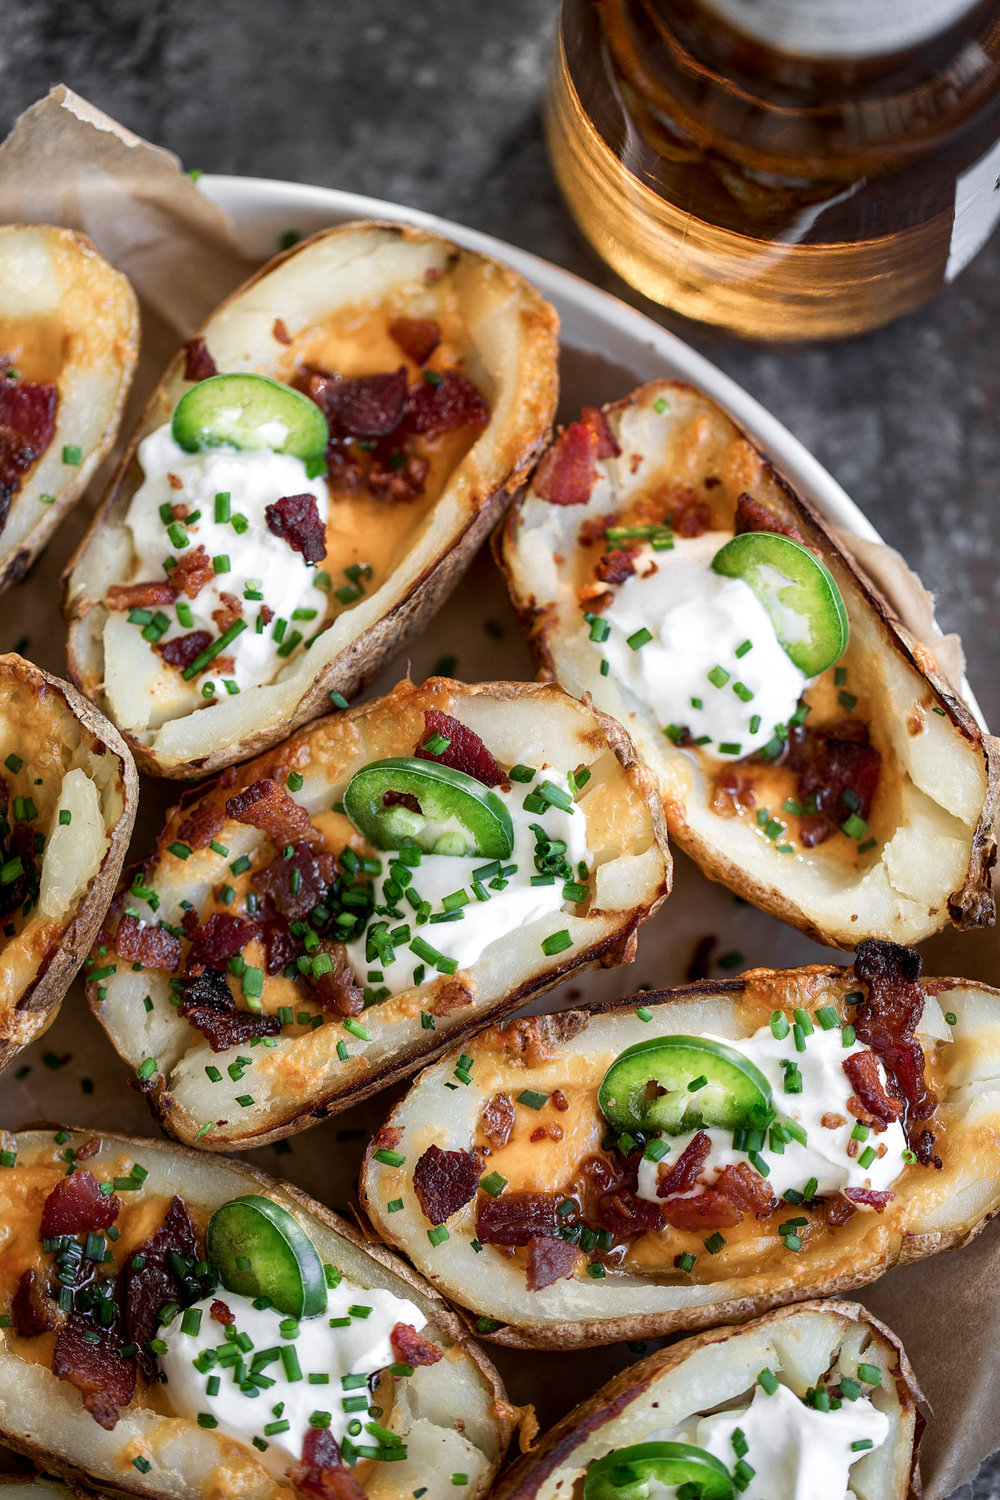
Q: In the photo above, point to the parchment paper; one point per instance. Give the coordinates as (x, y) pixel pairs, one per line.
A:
(66, 163)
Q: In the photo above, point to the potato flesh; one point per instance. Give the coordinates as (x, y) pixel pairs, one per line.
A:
(74, 849)
(933, 780)
(190, 1462)
(932, 1209)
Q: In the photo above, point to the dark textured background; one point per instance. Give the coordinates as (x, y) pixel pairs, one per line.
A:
(435, 104)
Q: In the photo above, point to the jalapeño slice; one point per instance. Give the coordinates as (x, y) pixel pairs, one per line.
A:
(626, 1473)
(250, 411)
(260, 1250)
(798, 591)
(646, 1087)
(411, 801)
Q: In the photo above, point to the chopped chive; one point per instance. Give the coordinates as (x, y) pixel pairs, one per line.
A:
(715, 1243)
(556, 942)
(72, 454)
(768, 1381)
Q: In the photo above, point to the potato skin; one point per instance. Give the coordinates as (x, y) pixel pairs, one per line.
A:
(760, 880)
(99, 317)
(231, 1178)
(555, 1451)
(37, 1003)
(472, 502)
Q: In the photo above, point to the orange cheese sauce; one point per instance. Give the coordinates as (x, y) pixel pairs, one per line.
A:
(38, 348)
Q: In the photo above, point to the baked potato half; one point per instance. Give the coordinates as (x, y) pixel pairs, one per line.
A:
(810, 754)
(69, 339)
(298, 940)
(686, 1157)
(822, 1394)
(368, 403)
(149, 1261)
(68, 796)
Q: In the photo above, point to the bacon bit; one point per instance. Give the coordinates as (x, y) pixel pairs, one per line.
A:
(279, 332)
(295, 519)
(869, 1198)
(752, 515)
(922, 1145)
(683, 1174)
(617, 565)
(27, 425)
(266, 805)
(21, 842)
(558, 1100)
(607, 444)
(91, 1147)
(411, 1348)
(746, 1189)
(567, 471)
(198, 363)
(321, 1472)
(193, 571)
(451, 995)
(183, 650)
(76, 1205)
(230, 610)
(546, 1133)
(465, 752)
(691, 516)
(515, 1218)
(496, 1120)
(536, 1040)
(863, 1071)
(94, 1366)
(417, 337)
(140, 595)
(886, 1020)
(200, 827)
(831, 1121)
(267, 612)
(153, 947)
(221, 937)
(433, 273)
(32, 1311)
(175, 481)
(221, 1313)
(732, 794)
(336, 991)
(451, 404)
(403, 484)
(179, 511)
(828, 763)
(593, 596)
(592, 530)
(153, 1284)
(706, 1211)
(549, 1261)
(444, 1181)
(295, 885)
(209, 1006)
(837, 1211)
(853, 1147)
(368, 406)
(280, 946)
(624, 1213)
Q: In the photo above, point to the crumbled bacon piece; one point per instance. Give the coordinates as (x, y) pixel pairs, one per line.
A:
(444, 1181)
(567, 471)
(220, 938)
(20, 842)
(617, 565)
(402, 483)
(451, 995)
(86, 1355)
(220, 1312)
(184, 649)
(592, 530)
(209, 1006)
(31, 1310)
(607, 444)
(296, 520)
(866, 1080)
(27, 425)
(150, 1280)
(140, 595)
(198, 363)
(465, 751)
(76, 1205)
(193, 571)
(624, 1213)
(515, 1218)
(336, 991)
(886, 1021)
(549, 1261)
(200, 827)
(445, 406)
(869, 1198)
(321, 1472)
(753, 515)
(279, 332)
(690, 516)
(367, 406)
(746, 1189)
(411, 1348)
(703, 1212)
(831, 763)
(681, 1175)
(153, 947)
(295, 885)
(558, 1100)
(550, 1132)
(417, 337)
(837, 1211)
(230, 610)
(266, 805)
(280, 945)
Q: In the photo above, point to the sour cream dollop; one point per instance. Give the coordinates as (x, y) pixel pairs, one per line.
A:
(259, 563)
(795, 1451)
(360, 1348)
(714, 664)
(823, 1097)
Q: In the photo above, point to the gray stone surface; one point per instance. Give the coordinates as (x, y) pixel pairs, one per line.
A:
(436, 104)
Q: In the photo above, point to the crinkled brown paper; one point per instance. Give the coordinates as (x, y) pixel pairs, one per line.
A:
(65, 163)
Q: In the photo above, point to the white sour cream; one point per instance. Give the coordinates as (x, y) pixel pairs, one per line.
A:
(253, 479)
(699, 621)
(796, 1452)
(482, 922)
(826, 1090)
(362, 1348)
